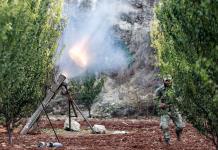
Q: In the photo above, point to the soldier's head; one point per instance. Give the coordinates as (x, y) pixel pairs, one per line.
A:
(167, 79)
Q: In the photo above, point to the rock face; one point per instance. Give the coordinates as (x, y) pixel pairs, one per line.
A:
(131, 91)
(75, 126)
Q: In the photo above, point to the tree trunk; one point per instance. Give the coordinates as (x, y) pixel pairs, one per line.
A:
(9, 132)
(217, 143)
(89, 109)
(215, 140)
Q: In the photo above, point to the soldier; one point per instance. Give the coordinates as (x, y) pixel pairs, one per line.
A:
(165, 96)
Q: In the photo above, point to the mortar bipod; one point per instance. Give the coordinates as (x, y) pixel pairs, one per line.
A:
(72, 103)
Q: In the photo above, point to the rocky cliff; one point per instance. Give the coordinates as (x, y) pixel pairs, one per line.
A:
(130, 92)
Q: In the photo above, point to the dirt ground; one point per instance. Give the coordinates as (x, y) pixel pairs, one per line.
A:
(140, 134)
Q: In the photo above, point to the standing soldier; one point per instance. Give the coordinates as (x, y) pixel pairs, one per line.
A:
(165, 96)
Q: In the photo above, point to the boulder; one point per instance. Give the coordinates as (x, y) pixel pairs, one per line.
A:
(75, 126)
(99, 129)
(120, 132)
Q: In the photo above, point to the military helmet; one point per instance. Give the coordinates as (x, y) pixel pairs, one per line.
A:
(167, 77)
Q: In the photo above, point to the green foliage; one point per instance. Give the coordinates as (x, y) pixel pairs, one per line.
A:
(85, 90)
(186, 38)
(28, 37)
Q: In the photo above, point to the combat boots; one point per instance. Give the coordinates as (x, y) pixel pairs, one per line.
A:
(167, 141)
(178, 134)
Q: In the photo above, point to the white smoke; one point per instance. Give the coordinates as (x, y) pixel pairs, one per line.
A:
(92, 20)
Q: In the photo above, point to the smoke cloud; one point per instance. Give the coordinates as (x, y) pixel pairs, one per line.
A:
(87, 44)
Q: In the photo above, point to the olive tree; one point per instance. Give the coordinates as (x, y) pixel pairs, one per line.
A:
(28, 39)
(86, 89)
(185, 35)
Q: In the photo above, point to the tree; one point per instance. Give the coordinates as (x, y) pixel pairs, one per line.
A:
(185, 35)
(28, 39)
(86, 89)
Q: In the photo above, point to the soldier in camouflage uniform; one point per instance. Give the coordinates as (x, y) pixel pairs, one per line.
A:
(165, 96)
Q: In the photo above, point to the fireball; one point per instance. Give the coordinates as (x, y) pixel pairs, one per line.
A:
(78, 53)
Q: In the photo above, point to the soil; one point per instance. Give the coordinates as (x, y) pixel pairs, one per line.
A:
(140, 134)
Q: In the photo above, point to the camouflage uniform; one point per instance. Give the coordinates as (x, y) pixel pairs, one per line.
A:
(167, 96)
